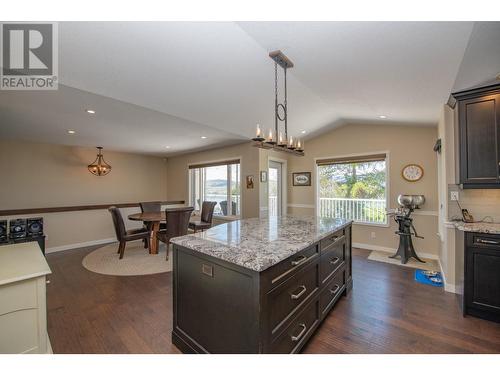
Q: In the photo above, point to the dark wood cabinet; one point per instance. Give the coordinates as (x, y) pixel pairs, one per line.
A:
(482, 276)
(479, 137)
(220, 307)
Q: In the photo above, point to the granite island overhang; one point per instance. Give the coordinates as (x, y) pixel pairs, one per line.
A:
(258, 285)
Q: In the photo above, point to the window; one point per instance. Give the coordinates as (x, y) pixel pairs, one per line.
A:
(353, 188)
(216, 182)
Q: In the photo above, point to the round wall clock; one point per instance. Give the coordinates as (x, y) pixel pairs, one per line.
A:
(412, 172)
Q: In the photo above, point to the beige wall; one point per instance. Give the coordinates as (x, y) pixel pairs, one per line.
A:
(46, 175)
(178, 176)
(404, 144)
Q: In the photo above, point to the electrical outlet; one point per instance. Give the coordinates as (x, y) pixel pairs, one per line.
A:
(373, 235)
(454, 195)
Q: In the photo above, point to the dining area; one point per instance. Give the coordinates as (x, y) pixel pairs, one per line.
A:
(160, 225)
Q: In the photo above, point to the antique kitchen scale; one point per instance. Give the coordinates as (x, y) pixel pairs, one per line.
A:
(406, 229)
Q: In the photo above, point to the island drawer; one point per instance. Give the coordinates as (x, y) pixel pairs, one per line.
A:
(286, 269)
(290, 296)
(332, 240)
(332, 292)
(331, 260)
(297, 333)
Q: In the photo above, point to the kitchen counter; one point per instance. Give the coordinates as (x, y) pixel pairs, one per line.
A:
(258, 285)
(258, 244)
(492, 228)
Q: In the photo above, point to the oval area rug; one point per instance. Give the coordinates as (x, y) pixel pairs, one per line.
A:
(136, 260)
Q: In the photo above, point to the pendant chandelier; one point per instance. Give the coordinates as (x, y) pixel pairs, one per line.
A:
(99, 167)
(277, 139)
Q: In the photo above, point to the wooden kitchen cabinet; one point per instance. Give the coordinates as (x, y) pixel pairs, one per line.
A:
(482, 276)
(479, 137)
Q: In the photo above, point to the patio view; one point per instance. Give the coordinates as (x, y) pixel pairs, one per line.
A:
(353, 190)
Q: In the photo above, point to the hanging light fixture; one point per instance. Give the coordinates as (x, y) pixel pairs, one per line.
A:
(99, 167)
(277, 139)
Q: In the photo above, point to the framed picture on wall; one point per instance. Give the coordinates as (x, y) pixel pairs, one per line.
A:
(249, 182)
(301, 179)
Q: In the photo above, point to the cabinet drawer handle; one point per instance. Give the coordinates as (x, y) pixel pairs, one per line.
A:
(299, 336)
(335, 290)
(299, 260)
(299, 294)
(489, 242)
(334, 260)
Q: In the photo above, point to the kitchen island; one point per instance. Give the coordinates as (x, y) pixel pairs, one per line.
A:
(258, 285)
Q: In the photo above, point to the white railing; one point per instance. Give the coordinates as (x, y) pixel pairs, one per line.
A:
(360, 210)
(220, 198)
(273, 205)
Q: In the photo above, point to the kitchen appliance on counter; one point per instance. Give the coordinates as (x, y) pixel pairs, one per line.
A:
(406, 229)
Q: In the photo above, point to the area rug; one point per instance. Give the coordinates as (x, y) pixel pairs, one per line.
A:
(383, 256)
(136, 260)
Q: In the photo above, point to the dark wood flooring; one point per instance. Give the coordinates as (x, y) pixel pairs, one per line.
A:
(387, 312)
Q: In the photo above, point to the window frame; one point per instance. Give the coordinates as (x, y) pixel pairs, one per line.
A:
(354, 155)
(201, 167)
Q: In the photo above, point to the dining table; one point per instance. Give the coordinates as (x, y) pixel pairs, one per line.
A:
(152, 221)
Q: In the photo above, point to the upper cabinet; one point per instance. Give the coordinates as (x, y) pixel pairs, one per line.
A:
(479, 137)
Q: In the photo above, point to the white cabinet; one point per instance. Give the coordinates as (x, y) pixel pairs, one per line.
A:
(23, 308)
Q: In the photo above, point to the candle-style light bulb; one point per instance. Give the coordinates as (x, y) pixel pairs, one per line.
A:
(290, 142)
(280, 139)
(270, 136)
(299, 145)
(258, 132)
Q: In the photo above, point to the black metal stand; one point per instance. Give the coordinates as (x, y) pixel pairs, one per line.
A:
(405, 248)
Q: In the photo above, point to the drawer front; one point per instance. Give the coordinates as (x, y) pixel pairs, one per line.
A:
(288, 268)
(332, 259)
(484, 240)
(285, 300)
(18, 296)
(332, 292)
(332, 239)
(295, 335)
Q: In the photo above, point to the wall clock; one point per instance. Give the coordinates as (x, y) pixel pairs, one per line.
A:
(412, 172)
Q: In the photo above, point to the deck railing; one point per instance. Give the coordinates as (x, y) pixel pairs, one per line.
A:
(360, 210)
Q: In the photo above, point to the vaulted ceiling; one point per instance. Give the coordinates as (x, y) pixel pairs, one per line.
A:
(159, 84)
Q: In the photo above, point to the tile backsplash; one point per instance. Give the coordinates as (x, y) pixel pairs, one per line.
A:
(479, 202)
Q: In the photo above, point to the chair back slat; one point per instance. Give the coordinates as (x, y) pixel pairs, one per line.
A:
(118, 222)
(150, 206)
(207, 211)
(178, 221)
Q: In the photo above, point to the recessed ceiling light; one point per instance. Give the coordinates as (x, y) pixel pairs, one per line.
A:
(71, 132)
(382, 116)
(303, 132)
(203, 137)
(91, 111)
(167, 146)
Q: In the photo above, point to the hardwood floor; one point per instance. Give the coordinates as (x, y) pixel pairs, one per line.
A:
(387, 312)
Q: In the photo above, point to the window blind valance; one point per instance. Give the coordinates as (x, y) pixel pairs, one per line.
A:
(352, 159)
(215, 164)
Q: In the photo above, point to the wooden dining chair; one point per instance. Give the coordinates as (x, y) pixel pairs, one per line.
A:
(207, 214)
(154, 206)
(123, 235)
(177, 224)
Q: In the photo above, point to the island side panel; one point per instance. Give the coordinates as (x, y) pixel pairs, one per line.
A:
(216, 305)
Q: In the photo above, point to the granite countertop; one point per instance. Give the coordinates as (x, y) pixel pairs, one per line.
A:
(492, 228)
(258, 244)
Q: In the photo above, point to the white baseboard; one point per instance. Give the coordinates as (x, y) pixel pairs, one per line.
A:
(447, 287)
(79, 245)
(389, 250)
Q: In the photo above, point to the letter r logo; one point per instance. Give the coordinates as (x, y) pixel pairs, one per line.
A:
(27, 49)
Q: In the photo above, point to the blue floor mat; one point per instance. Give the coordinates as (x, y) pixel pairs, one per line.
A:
(426, 277)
